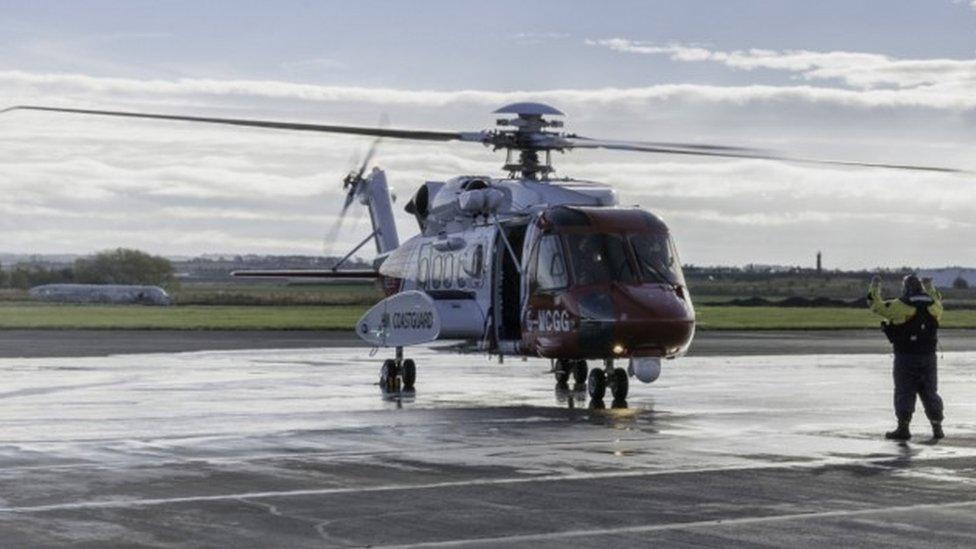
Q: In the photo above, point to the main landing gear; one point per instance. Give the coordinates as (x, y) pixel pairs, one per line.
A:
(398, 374)
(615, 379)
(564, 369)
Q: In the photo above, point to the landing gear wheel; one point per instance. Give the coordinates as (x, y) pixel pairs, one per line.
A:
(561, 371)
(597, 384)
(579, 372)
(409, 373)
(389, 380)
(619, 384)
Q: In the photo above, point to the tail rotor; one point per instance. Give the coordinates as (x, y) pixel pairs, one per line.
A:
(351, 184)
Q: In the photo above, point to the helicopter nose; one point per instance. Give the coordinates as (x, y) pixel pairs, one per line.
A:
(615, 320)
(653, 320)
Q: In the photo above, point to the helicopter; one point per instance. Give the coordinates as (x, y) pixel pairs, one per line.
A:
(524, 265)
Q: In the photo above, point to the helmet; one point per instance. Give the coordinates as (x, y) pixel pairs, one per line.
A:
(912, 286)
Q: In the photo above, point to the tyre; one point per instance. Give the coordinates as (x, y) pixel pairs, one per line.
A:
(388, 376)
(579, 371)
(619, 384)
(409, 373)
(561, 372)
(596, 385)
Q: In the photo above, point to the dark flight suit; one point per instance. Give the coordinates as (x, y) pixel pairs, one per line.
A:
(915, 368)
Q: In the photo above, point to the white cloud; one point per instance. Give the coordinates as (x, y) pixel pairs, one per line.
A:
(537, 38)
(864, 71)
(952, 95)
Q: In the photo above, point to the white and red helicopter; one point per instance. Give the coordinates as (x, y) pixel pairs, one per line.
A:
(524, 265)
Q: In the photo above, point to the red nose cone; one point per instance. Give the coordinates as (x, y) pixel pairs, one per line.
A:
(611, 321)
(653, 320)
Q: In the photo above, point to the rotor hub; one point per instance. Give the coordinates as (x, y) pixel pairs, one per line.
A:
(527, 138)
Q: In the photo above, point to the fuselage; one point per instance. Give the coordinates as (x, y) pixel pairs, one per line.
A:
(550, 269)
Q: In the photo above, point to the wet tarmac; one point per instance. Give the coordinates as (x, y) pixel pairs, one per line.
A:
(297, 448)
(74, 343)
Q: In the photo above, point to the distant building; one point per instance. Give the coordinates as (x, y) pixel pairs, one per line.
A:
(819, 263)
(100, 293)
(943, 278)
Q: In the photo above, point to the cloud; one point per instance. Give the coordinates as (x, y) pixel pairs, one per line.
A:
(537, 38)
(864, 71)
(952, 95)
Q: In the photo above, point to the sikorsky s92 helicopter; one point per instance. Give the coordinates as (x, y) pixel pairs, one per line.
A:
(524, 265)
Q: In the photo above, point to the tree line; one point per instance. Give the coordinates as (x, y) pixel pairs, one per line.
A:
(119, 266)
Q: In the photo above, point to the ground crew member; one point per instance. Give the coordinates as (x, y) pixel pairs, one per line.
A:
(911, 324)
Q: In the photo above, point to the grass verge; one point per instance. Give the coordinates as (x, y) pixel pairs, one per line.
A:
(806, 318)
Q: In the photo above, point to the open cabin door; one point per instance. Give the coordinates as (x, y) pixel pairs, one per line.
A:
(507, 285)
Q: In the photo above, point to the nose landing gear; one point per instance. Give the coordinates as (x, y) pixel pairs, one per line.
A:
(399, 374)
(619, 386)
(596, 385)
(615, 379)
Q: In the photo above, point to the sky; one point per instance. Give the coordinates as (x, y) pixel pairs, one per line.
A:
(880, 81)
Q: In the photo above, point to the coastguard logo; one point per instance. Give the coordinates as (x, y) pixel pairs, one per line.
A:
(413, 321)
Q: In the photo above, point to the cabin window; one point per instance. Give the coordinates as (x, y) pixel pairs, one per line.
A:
(550, 268)
(437, 272)
(423, 271)
(423, 266)
(448, 271)
(476, 263)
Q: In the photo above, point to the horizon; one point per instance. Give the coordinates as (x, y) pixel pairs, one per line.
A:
(357, 258)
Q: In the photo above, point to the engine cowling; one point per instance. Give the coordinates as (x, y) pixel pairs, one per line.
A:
(419, 205)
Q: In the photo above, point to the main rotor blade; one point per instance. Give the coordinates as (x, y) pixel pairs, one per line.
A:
(730, 152)
(576, 142)
(296, 126)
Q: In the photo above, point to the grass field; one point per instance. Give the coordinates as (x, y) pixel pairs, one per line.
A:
(343, 317)
(789, 318)
(276, 294)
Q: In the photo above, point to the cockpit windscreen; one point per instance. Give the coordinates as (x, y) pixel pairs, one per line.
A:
(600, 258)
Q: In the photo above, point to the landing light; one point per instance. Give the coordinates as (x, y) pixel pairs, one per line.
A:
(618, 349)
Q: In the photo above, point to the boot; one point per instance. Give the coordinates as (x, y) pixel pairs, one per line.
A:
(901, 433)
(937, 432)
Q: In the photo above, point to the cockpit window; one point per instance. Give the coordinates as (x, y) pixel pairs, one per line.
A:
(600, 258)
(550, 268)
(656, 258)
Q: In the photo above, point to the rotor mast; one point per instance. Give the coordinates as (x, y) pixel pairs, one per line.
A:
(528, 145)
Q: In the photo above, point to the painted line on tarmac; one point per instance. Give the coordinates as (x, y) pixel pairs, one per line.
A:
(571, 534)
(149, 502)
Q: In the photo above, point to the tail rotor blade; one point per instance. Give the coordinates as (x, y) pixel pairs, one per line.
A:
(333, 233)
(369, 157)
(384, 121)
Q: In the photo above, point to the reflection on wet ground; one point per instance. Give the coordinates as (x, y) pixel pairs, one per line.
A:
(299, 448)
